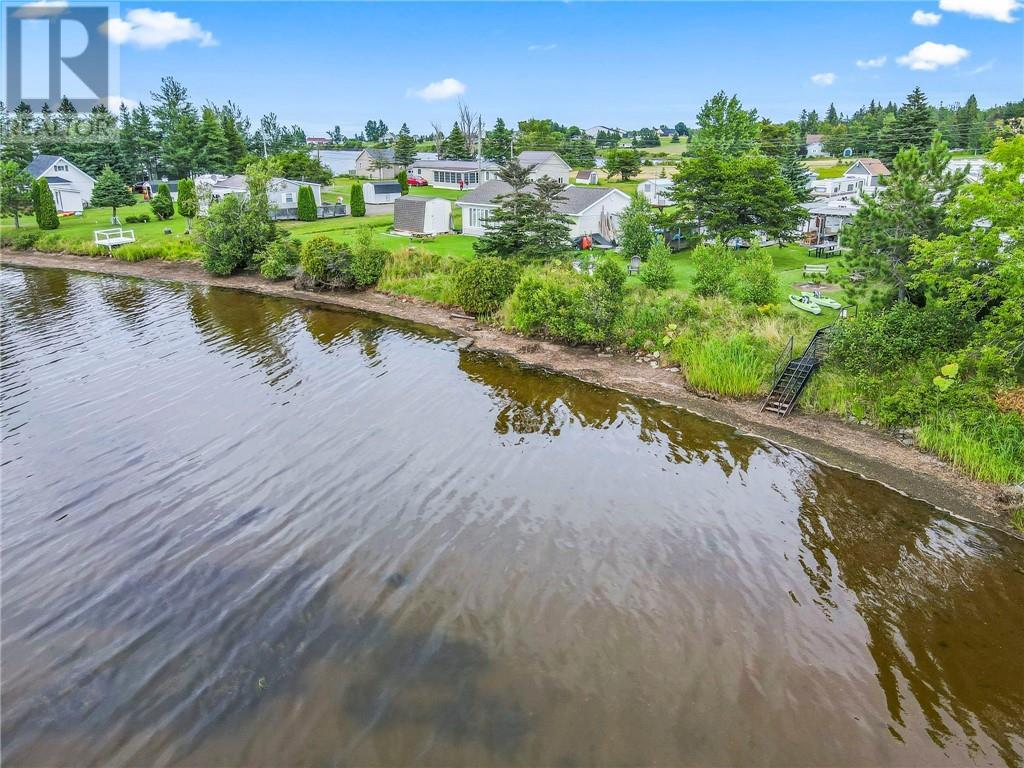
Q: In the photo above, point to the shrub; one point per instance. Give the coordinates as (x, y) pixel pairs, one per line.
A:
(646, 315)
(755, 279)
(714, 269)
(188, 201)
(141, 219)
(656, 272)
(562, 304)
(233, 234)
(162, 205)
(403, 179)
(326, 262)
(307, 204)
(886, 340)
(46, 209)
(356, 202)
(367, 259)
(280, 259)
(22, 241)
(483, 284)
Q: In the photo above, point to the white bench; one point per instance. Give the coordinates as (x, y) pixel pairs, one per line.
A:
(815, 269)
(108, 238)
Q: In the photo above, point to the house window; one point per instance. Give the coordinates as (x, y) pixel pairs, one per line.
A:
(472, 177)
(289, 198)
(61, 167)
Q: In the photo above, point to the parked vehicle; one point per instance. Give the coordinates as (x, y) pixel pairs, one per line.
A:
(417, 181)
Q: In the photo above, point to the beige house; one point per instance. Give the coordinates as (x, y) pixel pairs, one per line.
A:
(546, 164)
(376, 164)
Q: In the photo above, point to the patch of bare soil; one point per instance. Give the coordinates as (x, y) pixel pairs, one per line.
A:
(873, 454)
(823, 287)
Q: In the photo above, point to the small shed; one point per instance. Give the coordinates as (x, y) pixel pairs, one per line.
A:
(381, 192)
(586, 176)
(416, 215)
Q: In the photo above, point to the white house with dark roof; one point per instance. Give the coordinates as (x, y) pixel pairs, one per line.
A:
(591, 209)
(454, 174)
(70, 186)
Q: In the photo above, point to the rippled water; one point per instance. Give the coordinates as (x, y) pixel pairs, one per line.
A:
(242, 531)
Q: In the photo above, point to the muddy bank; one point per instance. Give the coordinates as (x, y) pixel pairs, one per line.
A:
(865, 451)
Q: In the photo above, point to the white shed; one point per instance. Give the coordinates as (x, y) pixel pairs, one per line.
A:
(416, 215)
(70, 186)
(381, 192)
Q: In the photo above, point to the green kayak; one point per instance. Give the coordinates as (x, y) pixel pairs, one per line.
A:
(804, 303)
(823, 301)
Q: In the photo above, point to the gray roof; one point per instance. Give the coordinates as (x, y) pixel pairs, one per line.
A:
(410, 212)
(537, 157)
(237, 181)
(458, 165)
(385, 187)
(56, 180)
(577, 199)
(381, 154)
(40, 163)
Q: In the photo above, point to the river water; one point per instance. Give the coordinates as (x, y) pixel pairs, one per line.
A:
(240, 530)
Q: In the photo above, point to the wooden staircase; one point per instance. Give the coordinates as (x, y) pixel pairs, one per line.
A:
(791, 374)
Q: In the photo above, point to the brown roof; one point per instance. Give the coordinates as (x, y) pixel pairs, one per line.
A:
(815, 137)
(875, 166)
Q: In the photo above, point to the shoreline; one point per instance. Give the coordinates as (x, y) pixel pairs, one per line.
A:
(865, 451)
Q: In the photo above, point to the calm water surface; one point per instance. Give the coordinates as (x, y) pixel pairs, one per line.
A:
(242, 531)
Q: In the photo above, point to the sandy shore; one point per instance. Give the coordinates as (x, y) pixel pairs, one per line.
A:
(866, 451)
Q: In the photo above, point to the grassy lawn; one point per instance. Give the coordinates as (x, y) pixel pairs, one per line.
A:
(80, 228)
(789, 261)
(833, 170)
(668, 147)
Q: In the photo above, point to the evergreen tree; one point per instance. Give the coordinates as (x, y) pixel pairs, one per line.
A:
(177, 126)
(188, 202)
(795, 174)
(636, 236)
(832, 117)
(162, 205)
(46, 209)
(405, 147)
(307, 204)
(624, 162)
(356, 201)
(402, 177)
(656, 272)
(507, 230)
(455, 145)
(234, 138)
(911, 205)
(17, 190)
(16, 135)
(111, 191)
(145, 140)
(549, 229)
(913, 127)
(212, 145)
(497, 145)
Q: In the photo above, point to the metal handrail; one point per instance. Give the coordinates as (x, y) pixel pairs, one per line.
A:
(782, 360)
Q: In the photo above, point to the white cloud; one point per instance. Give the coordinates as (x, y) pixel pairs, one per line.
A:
(114, 103)
(40, 9)
(823, 78)
(146, 28)
(930, 56)
(875, 63)
(987, 66)
(925, 19)
(997, 10)
(546, 47)
(448, 88)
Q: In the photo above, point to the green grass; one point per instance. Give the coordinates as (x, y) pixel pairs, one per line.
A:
(667, 147)
(992, 449)
(739, 366)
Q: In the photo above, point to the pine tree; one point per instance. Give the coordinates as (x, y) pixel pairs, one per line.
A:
(307, 204)
(46, 209)
(497, 146)
(234, 137)
(832, 117)
(507, 230)
(162, 205)
(188, 202)
(405, 147)
(455, 145)
(111, 191)
(795, 175)
(16, 135)
(212, 144)
(356, 201)
(915, 123)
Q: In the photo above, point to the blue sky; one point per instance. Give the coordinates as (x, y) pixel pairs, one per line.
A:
(620, 64)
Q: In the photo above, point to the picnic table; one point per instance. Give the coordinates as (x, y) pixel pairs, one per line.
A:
(822, 250)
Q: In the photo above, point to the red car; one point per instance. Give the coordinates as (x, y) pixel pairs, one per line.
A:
(417, 181)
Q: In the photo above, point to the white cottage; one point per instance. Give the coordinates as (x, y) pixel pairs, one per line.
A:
(281, 193)
(870, 171)
(548, 164)
(70, 186)
(454, 174)
(592, 210)
(415, 215)
(814, 144)
(658, 192)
